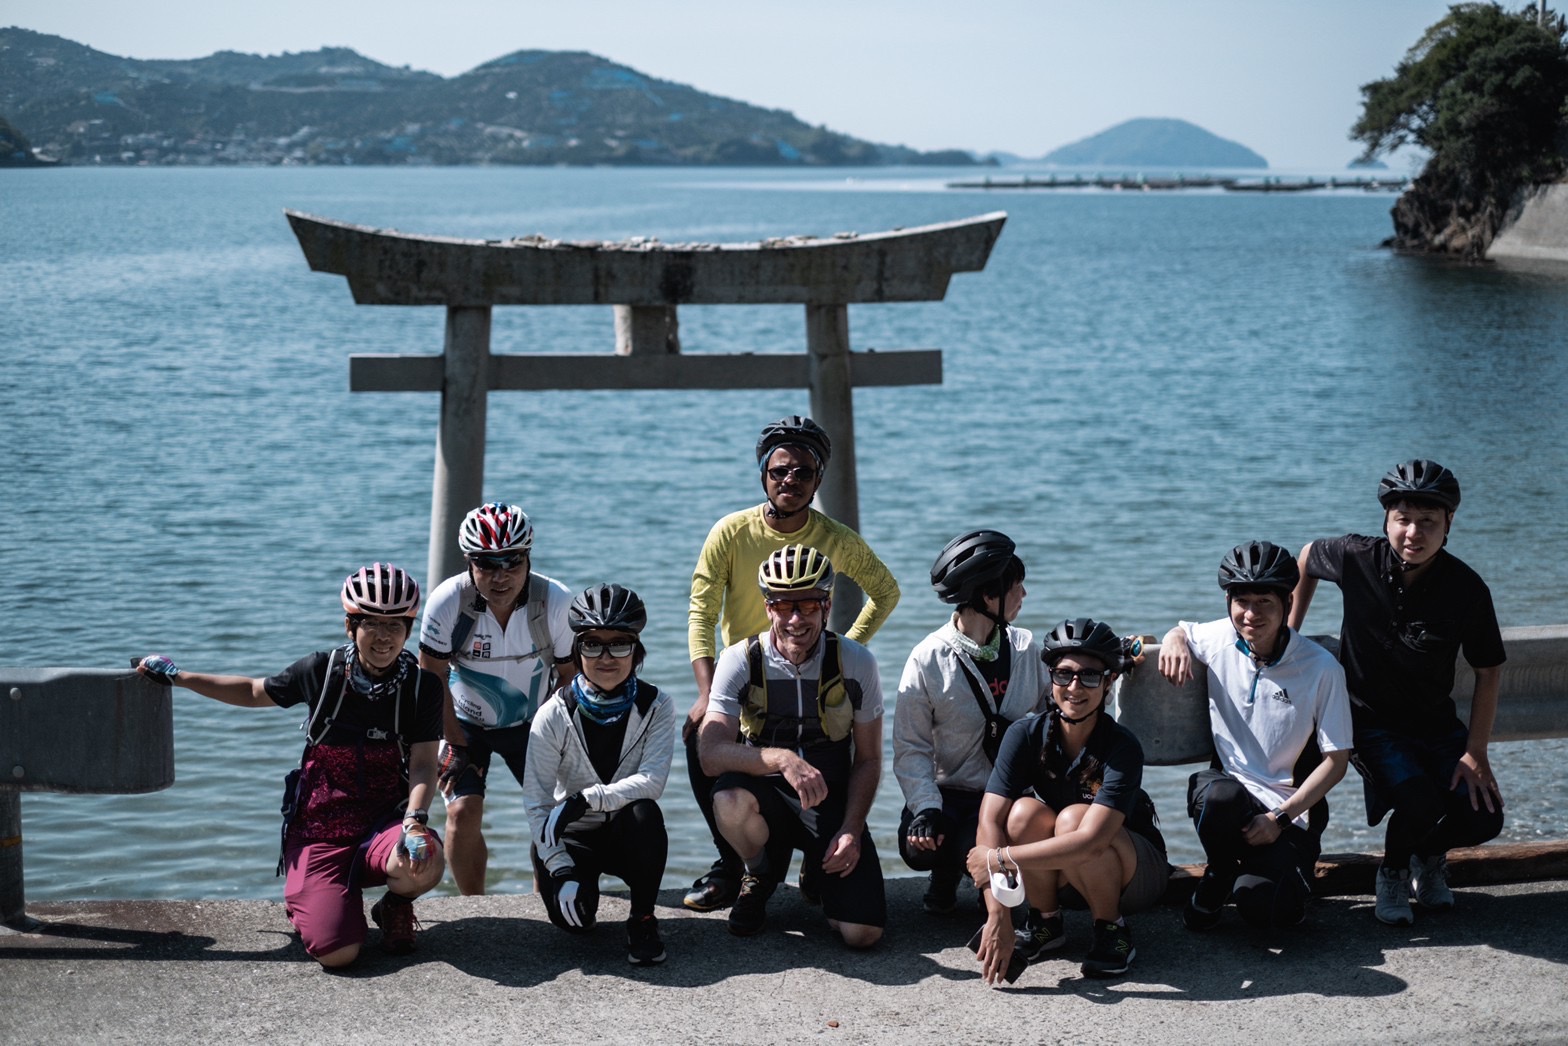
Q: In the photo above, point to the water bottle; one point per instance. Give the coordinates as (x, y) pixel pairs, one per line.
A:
(418, 846)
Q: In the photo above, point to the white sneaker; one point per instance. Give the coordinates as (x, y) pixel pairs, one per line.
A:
(1429, 882)
(1393, 896)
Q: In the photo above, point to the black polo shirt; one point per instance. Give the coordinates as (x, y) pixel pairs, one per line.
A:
(1108, 772)
(1399, 645)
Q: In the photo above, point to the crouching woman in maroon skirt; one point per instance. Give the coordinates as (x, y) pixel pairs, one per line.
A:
(356, 810)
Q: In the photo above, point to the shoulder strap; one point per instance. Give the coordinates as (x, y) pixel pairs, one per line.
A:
(539, 619)
(470, 604)
(979, 689)
(311, 736)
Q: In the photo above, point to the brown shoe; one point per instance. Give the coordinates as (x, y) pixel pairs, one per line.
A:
(395, 915)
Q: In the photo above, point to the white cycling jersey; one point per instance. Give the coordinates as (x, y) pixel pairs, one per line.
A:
(499, 676)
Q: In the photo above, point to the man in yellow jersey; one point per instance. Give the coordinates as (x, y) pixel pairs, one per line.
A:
(792, 454)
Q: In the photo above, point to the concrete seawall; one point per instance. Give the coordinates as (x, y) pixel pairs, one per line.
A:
(491, 970)
(1537, 230)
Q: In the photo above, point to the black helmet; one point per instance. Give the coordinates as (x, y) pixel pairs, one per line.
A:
(1419, 479)
(1087, 636)
(607, 606)
(795, 431)
(971, 562)
(1259, 564)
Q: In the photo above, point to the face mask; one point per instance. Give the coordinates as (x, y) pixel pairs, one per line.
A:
(1006, 884)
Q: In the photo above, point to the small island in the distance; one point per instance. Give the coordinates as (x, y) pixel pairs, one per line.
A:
(1155, 142)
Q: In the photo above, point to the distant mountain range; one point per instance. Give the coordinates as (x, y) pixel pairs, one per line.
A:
(1148, 142)
(334, 106)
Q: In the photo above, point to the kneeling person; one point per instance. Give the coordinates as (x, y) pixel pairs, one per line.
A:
(359, 802)
(1280, 714)
(806, 704)
(598, 758)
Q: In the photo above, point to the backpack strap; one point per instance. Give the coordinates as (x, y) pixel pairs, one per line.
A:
(538, 619)
(470, 604)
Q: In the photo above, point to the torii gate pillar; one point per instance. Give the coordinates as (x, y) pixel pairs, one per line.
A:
(645, 281)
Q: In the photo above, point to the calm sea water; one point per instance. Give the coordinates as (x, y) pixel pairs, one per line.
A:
(1135, 383)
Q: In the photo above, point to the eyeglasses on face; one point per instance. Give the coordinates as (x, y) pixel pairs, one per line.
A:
(787, 608)
(1088, 677)
(383, 626)
(618, 648)
(499, 564)
(803, 473)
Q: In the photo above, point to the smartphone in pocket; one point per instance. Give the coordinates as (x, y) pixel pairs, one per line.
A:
(1015, 965)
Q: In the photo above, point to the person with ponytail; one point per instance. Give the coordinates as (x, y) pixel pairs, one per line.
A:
(963, 685)
(598, 758)
(1065, 821)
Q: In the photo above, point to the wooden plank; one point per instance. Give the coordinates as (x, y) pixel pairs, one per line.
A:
(385, 267)
(377, 373)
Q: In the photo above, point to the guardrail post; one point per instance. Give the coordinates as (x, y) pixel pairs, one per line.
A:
(13, 901)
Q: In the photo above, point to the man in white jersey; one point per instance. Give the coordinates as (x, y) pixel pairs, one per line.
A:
(1280, 714)
(497, 634)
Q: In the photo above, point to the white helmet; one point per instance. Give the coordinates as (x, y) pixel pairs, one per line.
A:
(495, 527)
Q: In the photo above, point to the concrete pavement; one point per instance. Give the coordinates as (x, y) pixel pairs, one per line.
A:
(491, 970)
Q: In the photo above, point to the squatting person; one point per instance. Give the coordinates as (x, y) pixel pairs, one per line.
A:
(359, 802)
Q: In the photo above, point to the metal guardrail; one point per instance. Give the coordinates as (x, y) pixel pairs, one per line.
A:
(98, 731)
(1172, 723)
(74, 730)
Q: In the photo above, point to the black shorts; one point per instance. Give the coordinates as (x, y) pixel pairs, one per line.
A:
(509, 742)
(859, 897)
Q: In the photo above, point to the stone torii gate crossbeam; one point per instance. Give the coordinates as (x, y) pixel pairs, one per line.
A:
(644, 281)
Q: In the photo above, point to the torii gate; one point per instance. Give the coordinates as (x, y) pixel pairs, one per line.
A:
(645, 281)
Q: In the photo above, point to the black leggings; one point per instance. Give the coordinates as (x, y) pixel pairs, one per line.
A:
(948, 861)
(1272, 883)
(728, 866)
(632, 846)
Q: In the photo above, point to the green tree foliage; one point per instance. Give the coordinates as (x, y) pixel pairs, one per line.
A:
(1483, 91)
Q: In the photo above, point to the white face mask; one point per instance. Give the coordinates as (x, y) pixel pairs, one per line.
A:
(1006, 884)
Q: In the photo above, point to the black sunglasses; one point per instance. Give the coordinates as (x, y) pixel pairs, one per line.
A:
(1089, 677)
(496, 564)
(804, 473)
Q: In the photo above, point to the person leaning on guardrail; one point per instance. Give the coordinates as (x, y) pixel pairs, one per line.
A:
(356, 811)
(1411, 608)
(1280, 718)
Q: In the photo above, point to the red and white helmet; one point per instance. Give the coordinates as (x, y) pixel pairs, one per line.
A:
(495, 527)
(381, 589)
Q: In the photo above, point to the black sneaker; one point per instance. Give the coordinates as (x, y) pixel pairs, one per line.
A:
(1112, 952)
(1207, 903)
(749, 913)
(1039, 935)
(643, 947)
(942, 895)
(713, 891)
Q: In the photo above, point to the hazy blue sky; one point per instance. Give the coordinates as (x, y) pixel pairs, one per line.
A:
(1019, 75)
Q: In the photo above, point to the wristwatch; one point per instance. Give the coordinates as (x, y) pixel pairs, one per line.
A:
(1281, 818)
(422, 816)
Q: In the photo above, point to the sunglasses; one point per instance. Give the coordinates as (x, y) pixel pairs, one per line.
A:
(1089, 677)
(497, 564)
(592, 648)
(804, 473)
(787, 608)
